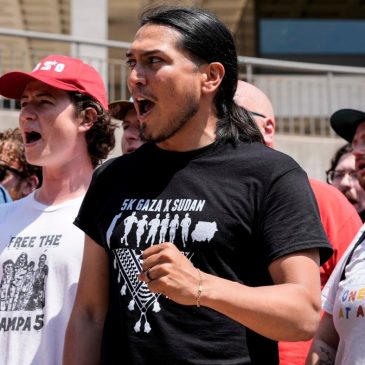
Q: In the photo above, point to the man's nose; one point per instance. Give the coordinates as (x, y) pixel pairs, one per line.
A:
(136, 77)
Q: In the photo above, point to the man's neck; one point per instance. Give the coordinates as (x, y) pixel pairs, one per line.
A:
(60, 185)
(194, 135)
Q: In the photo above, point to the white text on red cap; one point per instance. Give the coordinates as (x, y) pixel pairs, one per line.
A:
(48, 65)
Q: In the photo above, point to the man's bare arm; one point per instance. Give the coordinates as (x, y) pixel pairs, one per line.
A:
(324, 346)
(85, 328)
(288, 310)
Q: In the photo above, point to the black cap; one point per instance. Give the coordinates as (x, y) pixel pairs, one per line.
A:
(345, 122)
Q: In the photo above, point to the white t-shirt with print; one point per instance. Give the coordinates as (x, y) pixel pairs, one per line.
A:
(40, 259)
(345, 300)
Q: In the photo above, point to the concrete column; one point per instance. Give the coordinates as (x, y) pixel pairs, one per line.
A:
(246, 30)
(89, 19)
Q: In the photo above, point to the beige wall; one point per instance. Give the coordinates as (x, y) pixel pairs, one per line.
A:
(8, 119)
(312, 153)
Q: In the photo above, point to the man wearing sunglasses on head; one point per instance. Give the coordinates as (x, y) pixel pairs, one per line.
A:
(339, 218)
(17, 177)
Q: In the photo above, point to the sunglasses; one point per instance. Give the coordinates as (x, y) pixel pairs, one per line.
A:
(4, 169)
(257, 114)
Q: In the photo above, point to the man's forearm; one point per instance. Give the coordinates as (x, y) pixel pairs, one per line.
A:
(83, 343)
(272, 311)
(321, 353)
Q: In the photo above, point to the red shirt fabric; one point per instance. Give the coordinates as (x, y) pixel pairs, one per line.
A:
(341, 223)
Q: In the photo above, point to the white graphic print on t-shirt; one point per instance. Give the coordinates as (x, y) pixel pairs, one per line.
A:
(128, 262)
(134, 228)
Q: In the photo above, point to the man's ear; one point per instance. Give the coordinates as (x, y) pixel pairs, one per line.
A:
(214, 74)
(88, 117)
(269, 131)
(28, 185)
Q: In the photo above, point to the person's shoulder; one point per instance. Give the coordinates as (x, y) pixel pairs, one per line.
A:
(15, 206)
(263, 155)
(108, 164)
(322, 187)
(331, 201)
(328, 194)
(117, 164)
(262, 149)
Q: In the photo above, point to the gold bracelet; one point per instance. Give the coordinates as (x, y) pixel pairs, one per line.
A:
(200, 289)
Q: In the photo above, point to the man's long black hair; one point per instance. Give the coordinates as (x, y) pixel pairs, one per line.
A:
(207, 40)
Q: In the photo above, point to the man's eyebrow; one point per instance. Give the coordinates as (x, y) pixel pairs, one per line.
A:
(146, 53)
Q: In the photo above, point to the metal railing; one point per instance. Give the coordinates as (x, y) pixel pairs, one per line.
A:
(304, 95)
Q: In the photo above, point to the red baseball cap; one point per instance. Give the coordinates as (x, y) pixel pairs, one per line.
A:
(62, 72)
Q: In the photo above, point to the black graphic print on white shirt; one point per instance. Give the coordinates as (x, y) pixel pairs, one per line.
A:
(23, 283)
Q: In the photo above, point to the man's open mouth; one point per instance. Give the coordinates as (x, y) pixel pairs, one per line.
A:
(32, 136)
(144, 106)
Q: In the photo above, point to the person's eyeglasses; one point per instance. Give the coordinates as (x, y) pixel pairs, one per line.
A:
(257, 114)
(4, 169)
(337, 175)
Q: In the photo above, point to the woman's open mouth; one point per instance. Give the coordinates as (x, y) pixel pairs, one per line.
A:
(32, 137)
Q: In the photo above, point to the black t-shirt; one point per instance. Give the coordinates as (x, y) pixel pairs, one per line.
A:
(231, 209)
(362, 215)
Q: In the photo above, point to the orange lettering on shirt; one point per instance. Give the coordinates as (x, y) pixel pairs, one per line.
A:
(340, 314)
(360, 312)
